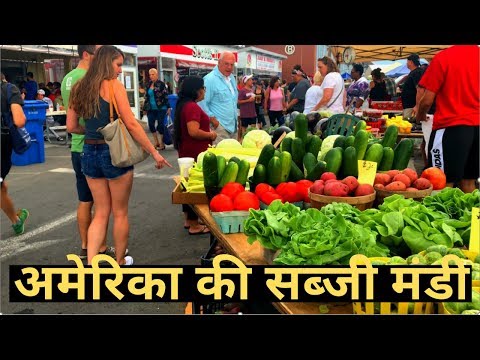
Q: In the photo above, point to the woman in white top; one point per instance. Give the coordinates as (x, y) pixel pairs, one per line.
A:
(334, 95)
(314, 93)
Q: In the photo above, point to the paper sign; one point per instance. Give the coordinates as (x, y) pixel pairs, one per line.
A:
(475, 231)
(366, 172)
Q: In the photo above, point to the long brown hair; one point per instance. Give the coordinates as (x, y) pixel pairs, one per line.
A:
(85, 95)
(331, 66)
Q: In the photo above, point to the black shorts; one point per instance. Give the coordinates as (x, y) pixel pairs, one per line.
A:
(455, 150)
(246, 122)
(6, 155)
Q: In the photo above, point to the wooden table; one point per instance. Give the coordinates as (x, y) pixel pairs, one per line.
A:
(415, 135)
(237, 245)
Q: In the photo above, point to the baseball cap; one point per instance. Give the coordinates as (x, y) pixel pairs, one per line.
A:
(41, 92)
(246, 77)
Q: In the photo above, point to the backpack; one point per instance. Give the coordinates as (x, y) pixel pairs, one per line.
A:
(21, 140)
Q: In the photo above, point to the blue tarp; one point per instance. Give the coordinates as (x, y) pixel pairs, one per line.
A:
(346, 76)
(403, 69)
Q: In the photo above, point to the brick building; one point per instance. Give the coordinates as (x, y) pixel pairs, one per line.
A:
(305, 55)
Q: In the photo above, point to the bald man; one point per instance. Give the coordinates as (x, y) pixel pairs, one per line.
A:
(221, 96)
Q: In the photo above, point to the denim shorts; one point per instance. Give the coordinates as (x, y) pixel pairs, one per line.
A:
(83, 191)
(97, 164)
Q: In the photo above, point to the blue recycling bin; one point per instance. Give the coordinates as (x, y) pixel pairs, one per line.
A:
(35, 113)
(172, 100)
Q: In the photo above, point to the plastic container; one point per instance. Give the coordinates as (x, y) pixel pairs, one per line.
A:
(35, 113)
(360, 202)
(230, 222)
(172, 100)
(185, 163)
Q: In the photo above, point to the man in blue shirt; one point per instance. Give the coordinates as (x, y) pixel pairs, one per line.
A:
(221, 96)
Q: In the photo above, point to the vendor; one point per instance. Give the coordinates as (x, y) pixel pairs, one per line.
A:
(359, 89)
(378, 88)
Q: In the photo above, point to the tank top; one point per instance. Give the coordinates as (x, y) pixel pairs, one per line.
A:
(92, 124)
(276, 100)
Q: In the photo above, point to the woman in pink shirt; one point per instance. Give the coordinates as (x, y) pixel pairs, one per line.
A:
(275, 102)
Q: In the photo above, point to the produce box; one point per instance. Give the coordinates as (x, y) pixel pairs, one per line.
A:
(179, 196)
(387, 105)
(230, 222)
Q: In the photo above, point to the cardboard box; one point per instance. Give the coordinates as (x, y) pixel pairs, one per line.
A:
(179, 196)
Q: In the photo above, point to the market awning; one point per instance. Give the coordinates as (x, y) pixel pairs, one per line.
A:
(194, 64)
(368, 53)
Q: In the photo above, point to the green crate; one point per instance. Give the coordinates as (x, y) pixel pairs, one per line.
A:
(230, 222)
(298, 204)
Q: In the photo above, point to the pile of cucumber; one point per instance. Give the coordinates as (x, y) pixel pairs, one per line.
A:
(217, 172)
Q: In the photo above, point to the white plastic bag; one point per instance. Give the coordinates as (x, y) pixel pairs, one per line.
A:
(427, 130)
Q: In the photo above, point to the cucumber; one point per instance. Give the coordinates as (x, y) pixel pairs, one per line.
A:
(210, 169)
(374, 153)
(349, 162)
(230, 173)
(314, 145)
(298, 152)
(286, 144)
(286, 161)
(235, 159)
(301, 128)
(339, 142)
(390, 136)
(360, 143)
(274, 171)
(295, 173)
(259, 174)
(309, 162)
(333, 158)
(242, 174)
(266, 154)
(221, 165)
(402, 154)
(361, 125)
(349, 141)
(387, 159)
(317, 171)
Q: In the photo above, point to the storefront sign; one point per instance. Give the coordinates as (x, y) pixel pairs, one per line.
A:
(265, 63)
(205, 53)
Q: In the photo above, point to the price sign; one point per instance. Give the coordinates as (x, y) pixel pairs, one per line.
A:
(475, 231)
(366, 172)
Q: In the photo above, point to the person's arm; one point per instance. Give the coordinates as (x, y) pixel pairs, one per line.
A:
(284, 103)
(133, 126)
(418, 97)
(169, 108)
(18, 115)
(327, 95)
(207, 101)
(73, 125)
(265, 102)
(195, 132)
(424, 105)
(291, 103)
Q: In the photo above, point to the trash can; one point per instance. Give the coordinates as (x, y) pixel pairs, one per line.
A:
(172, 100)
(35, 113)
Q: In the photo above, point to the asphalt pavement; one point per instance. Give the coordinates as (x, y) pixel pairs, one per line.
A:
(48, 191)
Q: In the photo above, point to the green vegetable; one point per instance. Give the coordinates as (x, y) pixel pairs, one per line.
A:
(375, 153)
(349, 141)
(235, 159)
(210, 169)
(221, 165)
(286, 163)
(390, 136)
(242, 174)
(309, 162)
(295, 173)
(340, 142)
(256, 139)
(387, 159)
(397, 260)
(259, 174)
(457, 252)
(301, 128)
(230, 173)
(432, 256)
(360, 143)
(349, 162)
(266, 155)
(298, 152)
(361, 125)
(441, 249)
(286, 144)
(314, 145)
(317, 171)
(274, 171)
(420, 258)
(402, 154)
(334, 160)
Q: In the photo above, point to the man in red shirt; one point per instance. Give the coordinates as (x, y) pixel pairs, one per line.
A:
(452, 80)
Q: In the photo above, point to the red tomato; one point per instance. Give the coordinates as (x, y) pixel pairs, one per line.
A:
(269, 196)
(246, 200)
(221, 202)
(302, 189)
(232, 189)
(288, 191)
(263, 188)
(436, 177)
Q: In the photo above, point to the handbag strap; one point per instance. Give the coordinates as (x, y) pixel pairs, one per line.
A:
(123, 130)
(341, 92)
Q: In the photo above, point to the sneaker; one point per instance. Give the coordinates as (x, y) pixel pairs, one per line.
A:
(82, 254)
(19, 227)
(128, 261)
(110, 251)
